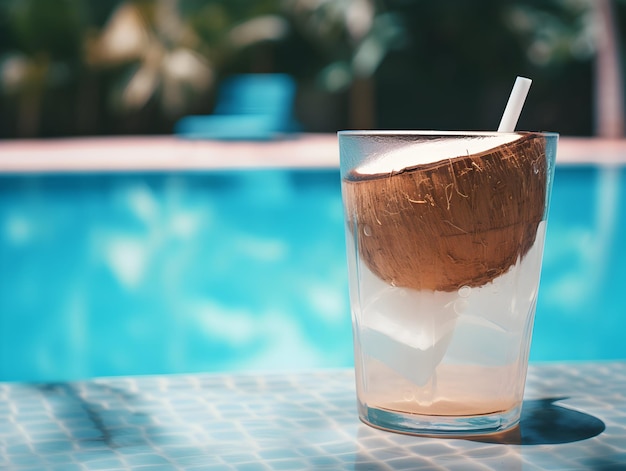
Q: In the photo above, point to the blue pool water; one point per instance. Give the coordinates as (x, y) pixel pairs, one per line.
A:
(108, 274)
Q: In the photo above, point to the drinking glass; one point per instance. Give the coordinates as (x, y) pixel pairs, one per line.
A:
(445, 234)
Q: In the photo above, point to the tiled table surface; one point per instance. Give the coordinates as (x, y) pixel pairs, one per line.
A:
(574, 418)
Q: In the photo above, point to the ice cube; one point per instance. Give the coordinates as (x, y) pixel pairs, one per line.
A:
(497, 314)
(407, 330)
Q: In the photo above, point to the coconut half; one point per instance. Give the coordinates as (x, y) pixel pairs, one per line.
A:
(425, 221)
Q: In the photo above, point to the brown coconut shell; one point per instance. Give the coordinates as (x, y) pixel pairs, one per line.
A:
(457, 222)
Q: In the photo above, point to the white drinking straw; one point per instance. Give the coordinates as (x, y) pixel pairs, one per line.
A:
(514, 105)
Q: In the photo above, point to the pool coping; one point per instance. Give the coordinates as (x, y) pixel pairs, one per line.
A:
(171, 153)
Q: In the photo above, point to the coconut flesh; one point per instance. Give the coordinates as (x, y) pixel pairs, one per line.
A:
(429, 221)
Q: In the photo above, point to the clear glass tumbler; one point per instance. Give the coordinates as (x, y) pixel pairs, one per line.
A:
(445, 235)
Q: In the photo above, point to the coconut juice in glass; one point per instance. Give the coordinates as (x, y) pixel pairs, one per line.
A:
(445, 234)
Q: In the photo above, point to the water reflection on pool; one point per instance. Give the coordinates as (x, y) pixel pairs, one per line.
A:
(139, 273)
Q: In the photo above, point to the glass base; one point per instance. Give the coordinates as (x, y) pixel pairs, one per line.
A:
(436, 425)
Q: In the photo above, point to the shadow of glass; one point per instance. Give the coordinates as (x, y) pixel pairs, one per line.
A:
(545, 423)
(542, 423)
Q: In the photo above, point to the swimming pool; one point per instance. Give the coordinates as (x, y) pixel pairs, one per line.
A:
(170, 272)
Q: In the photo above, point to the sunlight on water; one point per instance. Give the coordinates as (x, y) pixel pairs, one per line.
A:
(139, 274)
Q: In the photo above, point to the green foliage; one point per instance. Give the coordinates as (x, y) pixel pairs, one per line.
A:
(46, 27)
(432, 64)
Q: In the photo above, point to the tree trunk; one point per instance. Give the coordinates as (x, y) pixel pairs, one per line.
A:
(29, 109)
(362, 107)
(609, 98)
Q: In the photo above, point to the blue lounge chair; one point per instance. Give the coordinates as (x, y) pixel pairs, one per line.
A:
(249, 107)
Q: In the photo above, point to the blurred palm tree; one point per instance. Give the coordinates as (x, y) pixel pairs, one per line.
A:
(158, 59)
(570, 30)
(172, 51)
(354, 37)
(156, 50)
(42, 56)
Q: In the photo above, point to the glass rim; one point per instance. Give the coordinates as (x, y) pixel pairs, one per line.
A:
(371, 133)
